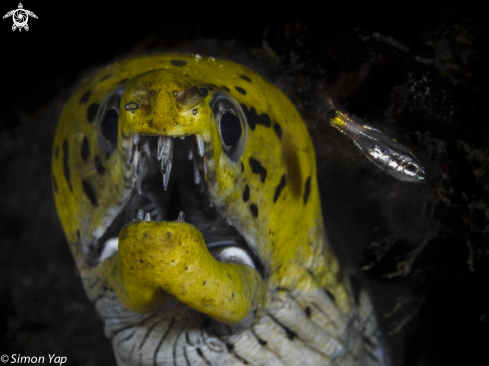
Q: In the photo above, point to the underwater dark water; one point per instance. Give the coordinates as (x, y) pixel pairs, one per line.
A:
(414, 71)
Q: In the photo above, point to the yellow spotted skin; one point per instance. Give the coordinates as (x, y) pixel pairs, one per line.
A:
(163, 272)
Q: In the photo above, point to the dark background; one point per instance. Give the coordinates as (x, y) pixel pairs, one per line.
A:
(413, 70)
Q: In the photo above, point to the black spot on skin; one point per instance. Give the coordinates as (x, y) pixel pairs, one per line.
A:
(279, 188)
(122, 81)
(55, 184)
(257, 168)
(278, 130)
(254, 210)
(242, 167)
(307, 190)
(244, 77)
(225, 88)
(99, 165)
(78, 235)
(290, 333)
(308, 312)
(262, 342)
(90, 192)
(254, 119)
(178, 63)
(330, 295)
(105, 77)
(241, 90)
(92, 112)
(246, 194)
(230, 347)
(66, 167)
(85, 149)
(85, 97)
(56, 152)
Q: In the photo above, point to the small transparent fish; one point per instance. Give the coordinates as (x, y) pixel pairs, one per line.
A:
(388, 154)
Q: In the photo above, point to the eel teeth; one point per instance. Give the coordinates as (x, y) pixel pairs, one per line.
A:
(200, 145)
(181, 216)
(159, 150)
(147, 217)
(141, 170)
(140, 214)
(136, 161)
(182, 137)
(196, 171)
(166, 174)
(165, 150)
(135, 139)
(165, 154)
(190, 155)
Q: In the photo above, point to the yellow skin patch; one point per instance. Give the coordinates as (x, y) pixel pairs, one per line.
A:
(279, 216)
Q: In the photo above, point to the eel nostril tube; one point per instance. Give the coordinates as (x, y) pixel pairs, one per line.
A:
(192, 97)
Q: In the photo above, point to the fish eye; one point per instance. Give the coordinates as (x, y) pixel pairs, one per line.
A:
(411, 169)
(232, 125)
(107, 121)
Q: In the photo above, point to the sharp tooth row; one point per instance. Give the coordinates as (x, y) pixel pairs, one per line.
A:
(141, 216)
(165, 155)
(147, 217)
(200, 145)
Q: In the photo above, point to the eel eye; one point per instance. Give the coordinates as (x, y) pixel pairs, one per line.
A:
(107, 121)
(232, 125)
(411, 169)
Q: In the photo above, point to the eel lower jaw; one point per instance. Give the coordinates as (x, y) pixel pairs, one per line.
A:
(170, 195)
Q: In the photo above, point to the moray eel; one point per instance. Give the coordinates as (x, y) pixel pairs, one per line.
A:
(186, 187)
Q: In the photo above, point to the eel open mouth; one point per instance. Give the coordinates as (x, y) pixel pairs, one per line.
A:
(170, 184)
